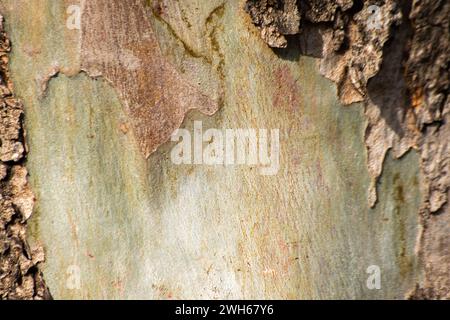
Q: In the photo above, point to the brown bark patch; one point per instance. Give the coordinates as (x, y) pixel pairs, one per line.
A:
(122, 47)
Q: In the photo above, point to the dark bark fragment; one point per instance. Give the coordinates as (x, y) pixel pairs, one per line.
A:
(275, 18)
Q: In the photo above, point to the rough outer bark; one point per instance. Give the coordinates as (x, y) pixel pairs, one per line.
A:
(20, 277)
(400, 70)
(276, 18)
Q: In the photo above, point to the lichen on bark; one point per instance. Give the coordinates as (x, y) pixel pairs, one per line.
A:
(20, 277)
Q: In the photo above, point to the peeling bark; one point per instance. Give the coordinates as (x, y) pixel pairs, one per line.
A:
(399, 68)
(132, 64)
(275, 18)
(20, 277)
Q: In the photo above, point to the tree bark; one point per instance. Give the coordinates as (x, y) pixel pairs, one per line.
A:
(92, 204)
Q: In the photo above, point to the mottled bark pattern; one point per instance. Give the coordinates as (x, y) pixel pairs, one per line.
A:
(398, 66)
(20, 277)
(392, 55)
(157, 107)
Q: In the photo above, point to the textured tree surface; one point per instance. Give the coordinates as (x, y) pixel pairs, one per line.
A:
(91, 202)
(19, 275)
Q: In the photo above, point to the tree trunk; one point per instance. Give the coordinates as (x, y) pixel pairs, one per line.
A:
(344, 195)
